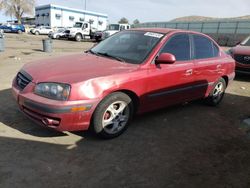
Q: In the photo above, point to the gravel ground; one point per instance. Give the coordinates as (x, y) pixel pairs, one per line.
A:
(189, 145)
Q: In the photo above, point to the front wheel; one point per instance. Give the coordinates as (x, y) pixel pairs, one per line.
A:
(112, 116)
(78, 37)
(217, 93)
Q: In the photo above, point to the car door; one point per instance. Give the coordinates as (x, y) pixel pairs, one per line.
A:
(207, 64)
(41, 30)
(47, 30)
(85, 29)
(172, 83)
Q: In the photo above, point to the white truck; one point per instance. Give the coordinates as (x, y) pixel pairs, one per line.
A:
(112, 29)
(80, 31)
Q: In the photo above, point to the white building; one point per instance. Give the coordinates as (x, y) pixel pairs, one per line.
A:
(59, 16)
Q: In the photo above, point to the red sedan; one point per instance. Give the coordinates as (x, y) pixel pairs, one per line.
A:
(134, 71)
(241, 54)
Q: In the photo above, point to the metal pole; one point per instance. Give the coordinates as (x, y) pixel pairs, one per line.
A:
(85, 4)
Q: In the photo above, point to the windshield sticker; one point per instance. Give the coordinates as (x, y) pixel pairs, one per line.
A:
(156, 35)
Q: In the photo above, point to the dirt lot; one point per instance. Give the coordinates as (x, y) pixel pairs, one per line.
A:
(189, 146)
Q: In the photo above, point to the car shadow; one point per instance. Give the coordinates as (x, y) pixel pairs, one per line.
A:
(12, 117)
(37, 50)
(203, 145)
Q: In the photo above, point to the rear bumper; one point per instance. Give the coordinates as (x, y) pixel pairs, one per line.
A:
(59, 115)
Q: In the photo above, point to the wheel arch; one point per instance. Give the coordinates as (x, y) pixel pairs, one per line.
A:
(79, 34)
(134, 97)
(225, 77)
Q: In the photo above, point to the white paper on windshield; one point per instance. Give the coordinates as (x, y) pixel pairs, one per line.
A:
(151, 34)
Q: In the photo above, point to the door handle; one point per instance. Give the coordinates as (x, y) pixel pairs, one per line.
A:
(189, 72)
(218, 66)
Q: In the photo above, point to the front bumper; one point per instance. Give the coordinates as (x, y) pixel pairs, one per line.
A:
(242, 68)
(70, 36)
(59, 115)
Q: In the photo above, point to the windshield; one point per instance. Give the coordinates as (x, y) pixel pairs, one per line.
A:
(113, 27)
(130, 46)
(61, 30)
(78, 25)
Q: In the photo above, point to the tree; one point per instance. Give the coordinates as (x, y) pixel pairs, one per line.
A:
(17, 8)
(136, 21)
(123, 21)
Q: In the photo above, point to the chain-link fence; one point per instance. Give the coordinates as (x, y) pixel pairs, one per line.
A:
(226, 33)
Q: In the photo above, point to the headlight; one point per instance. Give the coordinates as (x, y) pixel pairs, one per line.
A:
(54, 91)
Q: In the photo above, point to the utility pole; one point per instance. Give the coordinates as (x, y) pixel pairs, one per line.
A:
(85, 4)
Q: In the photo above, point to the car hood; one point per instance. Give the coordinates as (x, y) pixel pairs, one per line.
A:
(75, 68)
(74, 29)
(243, 50)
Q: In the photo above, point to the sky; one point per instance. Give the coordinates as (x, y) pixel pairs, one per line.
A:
(155, 10)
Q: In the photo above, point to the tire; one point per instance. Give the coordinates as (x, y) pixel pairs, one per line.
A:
(19, 32)
(217, 93)
(78, 37)
(57, 37)
(112, 116)
(37, 33)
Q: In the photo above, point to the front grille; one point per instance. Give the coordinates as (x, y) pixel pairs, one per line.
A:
(23, 79)
(243, 59)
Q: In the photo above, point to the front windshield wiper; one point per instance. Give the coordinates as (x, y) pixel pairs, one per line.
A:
(111, 56)
(105, 55)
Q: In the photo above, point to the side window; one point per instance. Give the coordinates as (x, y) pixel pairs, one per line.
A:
(122, 28)
(85, 26)
(216, 50)
(178, 45)
(204, 47)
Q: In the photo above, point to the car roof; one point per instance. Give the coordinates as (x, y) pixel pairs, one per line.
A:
(163, 30)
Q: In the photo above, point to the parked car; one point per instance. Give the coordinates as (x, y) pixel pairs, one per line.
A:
(98, 36)
(60, 33)
(41, 30)
(13, 28)
(111, 30)
(133, 71)
(241, 54)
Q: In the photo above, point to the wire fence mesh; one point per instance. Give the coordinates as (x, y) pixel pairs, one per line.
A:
(226, 33)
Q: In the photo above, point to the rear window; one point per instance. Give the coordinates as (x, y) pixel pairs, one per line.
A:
(204, 47)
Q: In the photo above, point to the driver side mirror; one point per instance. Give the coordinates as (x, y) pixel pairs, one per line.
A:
(165, 58)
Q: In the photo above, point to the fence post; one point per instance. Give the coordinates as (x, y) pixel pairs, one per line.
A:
(202, 25)
(236, 28)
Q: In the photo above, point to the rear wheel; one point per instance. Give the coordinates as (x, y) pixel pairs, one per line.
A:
(217, 93)
(112, 116)
(37, 33)
(19, 32)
